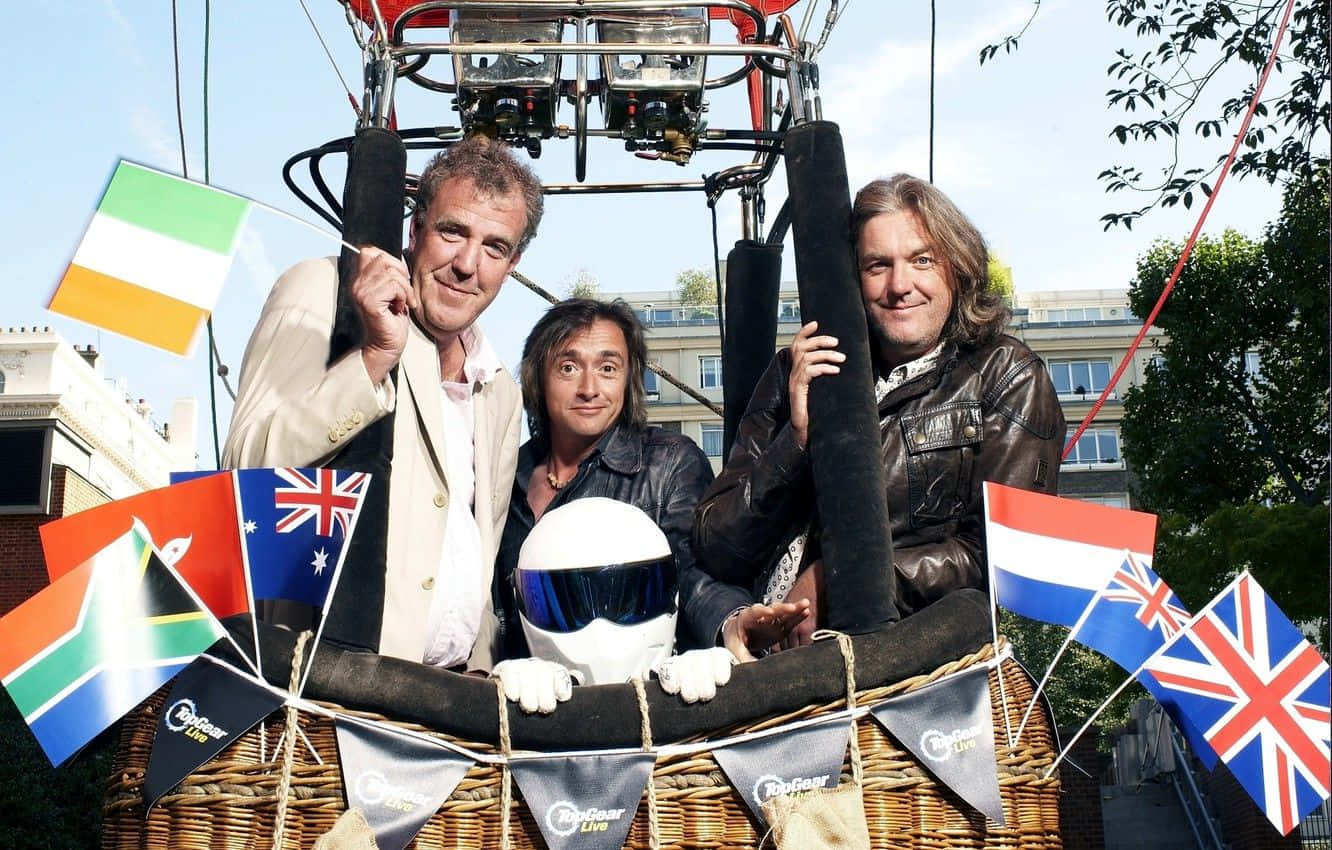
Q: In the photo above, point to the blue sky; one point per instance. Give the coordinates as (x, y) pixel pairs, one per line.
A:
(1019, 143)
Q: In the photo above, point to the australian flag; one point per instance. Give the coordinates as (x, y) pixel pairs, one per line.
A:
(1246, 677)
(294, 524)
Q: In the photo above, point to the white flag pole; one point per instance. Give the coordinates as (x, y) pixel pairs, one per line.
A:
(1132, 676)
(1072, 633)
(994, 622)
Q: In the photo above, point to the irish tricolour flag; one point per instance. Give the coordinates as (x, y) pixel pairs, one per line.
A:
(1050, 556)
(153, 260)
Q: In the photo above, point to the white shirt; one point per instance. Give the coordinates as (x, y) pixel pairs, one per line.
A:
(460, 598)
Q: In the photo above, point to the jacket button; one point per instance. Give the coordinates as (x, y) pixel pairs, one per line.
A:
(919, 437)
(358, 418)
(428, 584)
(441, 500)
(969, 431)
(333, 435)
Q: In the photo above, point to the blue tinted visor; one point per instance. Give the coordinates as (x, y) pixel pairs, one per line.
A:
(625, 594)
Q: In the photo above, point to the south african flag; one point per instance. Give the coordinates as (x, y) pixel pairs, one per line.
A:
(92, 645)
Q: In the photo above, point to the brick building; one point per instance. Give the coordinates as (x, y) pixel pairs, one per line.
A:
(70, 439)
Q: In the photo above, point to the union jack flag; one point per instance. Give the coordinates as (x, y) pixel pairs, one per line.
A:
(1259, 693)
(317, 494)
(1133, 616)
(1156, 603)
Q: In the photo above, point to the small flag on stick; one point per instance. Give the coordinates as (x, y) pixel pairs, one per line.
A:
(154, 257)
(92, 644)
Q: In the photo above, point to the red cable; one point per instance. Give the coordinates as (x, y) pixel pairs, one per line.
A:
(1193, 237)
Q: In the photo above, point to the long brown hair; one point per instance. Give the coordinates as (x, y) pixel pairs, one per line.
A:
(978, 315)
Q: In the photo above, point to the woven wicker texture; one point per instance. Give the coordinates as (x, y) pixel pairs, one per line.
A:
(231, 801)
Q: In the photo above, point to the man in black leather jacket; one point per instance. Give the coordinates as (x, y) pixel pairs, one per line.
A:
(959, 404)
(582, 380)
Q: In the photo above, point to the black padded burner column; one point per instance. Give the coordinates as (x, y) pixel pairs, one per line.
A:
(753, 279)
(373, 206)
(860, 584)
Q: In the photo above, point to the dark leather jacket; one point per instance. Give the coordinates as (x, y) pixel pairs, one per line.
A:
(661, 473)
(987, 414)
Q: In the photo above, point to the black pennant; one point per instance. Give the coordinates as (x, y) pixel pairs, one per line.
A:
(210, 705)
(947, 725)
(787, 763)
(583, 802)
(397, 781)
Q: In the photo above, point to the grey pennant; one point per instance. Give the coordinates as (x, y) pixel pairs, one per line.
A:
(947, 726)
(792, 762)
(397, 781)
(583, 802)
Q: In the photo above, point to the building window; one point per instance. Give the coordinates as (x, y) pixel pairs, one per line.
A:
(1253, 368)
(2, 382)
(788, 311)
(650, 387)
(710, 436)
(1095, 446)
(1079, 377)
(710, 373)
(670, 427)
(663, 316)
(1074, 314)
(1110, 500)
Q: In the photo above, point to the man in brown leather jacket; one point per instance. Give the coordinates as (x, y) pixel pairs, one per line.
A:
(960, 403)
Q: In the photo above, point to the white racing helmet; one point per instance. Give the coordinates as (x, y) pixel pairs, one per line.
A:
(596, 590)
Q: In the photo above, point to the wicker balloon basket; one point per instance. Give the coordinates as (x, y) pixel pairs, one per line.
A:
(233, 801)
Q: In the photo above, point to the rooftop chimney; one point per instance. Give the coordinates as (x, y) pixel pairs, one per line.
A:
(88, 354)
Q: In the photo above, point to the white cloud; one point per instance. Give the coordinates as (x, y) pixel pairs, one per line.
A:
(259, 267)
(124, 38)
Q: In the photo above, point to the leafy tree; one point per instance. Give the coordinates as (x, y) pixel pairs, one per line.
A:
(581, 284)
(1080, 683)
(1235, 458)
(1192, 68)
(697, 289)
(1206, 428)
(1000, 278)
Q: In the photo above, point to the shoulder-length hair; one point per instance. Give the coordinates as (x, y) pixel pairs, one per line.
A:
(978, 314)
(554, 329)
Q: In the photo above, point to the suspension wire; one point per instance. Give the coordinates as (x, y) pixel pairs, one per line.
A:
(1193, 237)
(180, 118)
(716, 269)
(932, 43)
(214, 359)
(351, 97)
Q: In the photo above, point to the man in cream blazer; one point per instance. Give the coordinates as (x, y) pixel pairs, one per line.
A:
(477, 209)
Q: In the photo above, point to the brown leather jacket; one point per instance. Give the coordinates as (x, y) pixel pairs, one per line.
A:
(987, 414)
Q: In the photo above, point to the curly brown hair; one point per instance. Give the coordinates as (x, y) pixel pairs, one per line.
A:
(493, 169)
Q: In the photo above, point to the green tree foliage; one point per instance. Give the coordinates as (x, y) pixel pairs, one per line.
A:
(1000, 278)
(581, 284)
(1191, 68)
(1082, 680)
(1194, 69)
(1284, 546)
(1235, 459)
(42, 806)
(697, 289)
